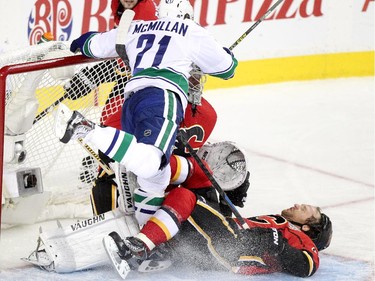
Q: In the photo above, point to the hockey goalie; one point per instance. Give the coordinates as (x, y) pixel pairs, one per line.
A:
(80, 246)
(189, 230)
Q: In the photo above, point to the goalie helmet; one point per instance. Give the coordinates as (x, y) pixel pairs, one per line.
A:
(176, 8)
(321, 234)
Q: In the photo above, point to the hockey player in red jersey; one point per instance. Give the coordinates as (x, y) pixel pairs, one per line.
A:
(144, 9)
(204, 238)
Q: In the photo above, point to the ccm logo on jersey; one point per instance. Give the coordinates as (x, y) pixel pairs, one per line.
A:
(275, 236)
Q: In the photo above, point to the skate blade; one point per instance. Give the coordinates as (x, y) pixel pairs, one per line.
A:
(62, 116)
(121, 266)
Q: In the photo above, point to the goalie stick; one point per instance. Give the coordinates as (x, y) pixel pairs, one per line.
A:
(243, 36)
(96, 157)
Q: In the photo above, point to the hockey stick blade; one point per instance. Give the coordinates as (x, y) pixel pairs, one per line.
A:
(62, 116)
(121, 266)
(122, 32)
(243, 36)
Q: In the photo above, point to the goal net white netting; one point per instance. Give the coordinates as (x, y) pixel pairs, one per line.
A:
(31, 96)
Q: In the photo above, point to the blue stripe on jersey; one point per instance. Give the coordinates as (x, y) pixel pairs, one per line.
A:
(114, 140)
(87, 46)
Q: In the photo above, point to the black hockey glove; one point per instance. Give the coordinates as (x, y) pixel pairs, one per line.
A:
(238, 195)
(80, 85)
(228, 51)
(81, 43)
(260, 241)
(88, 78)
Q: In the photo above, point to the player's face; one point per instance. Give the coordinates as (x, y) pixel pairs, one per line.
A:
(300, 213)
(129, 4)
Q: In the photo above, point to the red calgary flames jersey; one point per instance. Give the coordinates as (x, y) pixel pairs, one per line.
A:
(295, 238)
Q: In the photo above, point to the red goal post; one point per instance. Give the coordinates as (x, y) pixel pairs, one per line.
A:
(31, 74)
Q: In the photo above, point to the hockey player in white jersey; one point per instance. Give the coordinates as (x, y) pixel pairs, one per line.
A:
(161, 54)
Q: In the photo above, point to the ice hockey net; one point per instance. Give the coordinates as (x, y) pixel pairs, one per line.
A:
(36, 73)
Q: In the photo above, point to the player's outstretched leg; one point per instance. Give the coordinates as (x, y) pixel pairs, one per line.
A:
(71, 125)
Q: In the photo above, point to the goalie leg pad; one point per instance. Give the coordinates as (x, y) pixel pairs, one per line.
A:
(79, 245)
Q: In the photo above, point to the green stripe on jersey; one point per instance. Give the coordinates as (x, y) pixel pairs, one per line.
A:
(167, 74)
(170, 119)
(86, 46)
(157, 201)
(228, 73)
(121, 151)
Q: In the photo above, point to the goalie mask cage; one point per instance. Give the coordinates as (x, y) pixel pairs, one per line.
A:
(39, 73)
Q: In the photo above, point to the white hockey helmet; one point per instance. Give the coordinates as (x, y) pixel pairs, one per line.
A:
(176, 8)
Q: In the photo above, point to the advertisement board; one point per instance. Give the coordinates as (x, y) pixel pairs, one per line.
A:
(300, 39)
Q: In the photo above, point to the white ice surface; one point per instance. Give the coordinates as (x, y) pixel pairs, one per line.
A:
(308, 142)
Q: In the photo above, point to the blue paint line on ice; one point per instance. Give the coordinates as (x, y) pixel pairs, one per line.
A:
(332, 268)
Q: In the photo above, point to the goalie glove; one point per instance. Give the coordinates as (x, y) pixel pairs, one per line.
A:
(82, 44)
(238, 196)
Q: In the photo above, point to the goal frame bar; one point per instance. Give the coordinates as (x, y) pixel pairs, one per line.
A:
(23, 68)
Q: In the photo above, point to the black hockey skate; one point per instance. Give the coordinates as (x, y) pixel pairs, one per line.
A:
(131, 254)
(123, 258)
(71, 125)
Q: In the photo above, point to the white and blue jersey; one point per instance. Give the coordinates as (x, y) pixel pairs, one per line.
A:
(161, 53)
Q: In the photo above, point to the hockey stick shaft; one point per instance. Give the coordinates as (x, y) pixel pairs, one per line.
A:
(101, 163)
(48, 109)
(122, 32)
(214, 183)
(73, 60)
(243, 36)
